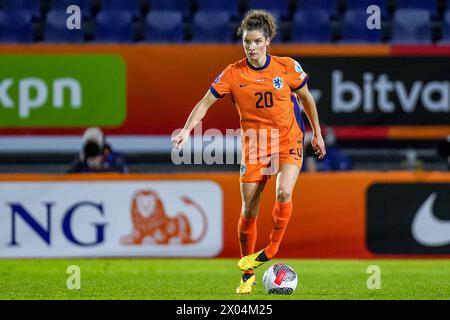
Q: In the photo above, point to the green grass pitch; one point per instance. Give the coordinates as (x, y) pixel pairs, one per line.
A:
(210, 279)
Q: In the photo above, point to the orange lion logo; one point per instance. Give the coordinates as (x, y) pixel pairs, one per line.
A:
(151, 224)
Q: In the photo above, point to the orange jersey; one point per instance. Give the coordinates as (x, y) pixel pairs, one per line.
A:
(263, 98)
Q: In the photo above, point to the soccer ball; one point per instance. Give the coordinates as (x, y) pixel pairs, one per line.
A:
(280, 279)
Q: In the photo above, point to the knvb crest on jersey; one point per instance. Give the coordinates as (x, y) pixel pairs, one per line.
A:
(278, 83)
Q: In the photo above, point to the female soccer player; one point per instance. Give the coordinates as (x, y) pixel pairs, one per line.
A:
(262, 88)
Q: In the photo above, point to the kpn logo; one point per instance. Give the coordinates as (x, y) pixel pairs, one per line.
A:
(62, 90)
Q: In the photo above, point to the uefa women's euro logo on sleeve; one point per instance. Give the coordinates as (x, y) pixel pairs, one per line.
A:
(298, 67)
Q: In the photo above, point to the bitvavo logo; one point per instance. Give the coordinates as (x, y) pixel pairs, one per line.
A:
(376, 91)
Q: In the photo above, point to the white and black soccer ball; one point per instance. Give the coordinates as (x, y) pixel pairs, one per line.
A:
(280, 279)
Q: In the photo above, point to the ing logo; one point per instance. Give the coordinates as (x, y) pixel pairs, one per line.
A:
(151, 224)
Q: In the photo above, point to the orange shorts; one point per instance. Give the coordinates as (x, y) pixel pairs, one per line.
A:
(263, 169)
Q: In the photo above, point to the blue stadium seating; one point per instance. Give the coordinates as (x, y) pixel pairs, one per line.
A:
(56, 29)
(85, 5)
(114, 26)
(364, 4)
(280, 6)
(411, 26)
(16, 26)
(133, 6)
(328, 5)
(164, 26)
(314, 21)
(211, 26)
(355, 29)
(232, 6)
(32, 6)
(279, 36)
(429, 5)
(311, 26)
(180, 5)
(446, 29)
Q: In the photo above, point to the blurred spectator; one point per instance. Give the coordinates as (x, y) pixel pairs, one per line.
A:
(335, 159)
(412, 162)
(98, 156)
(443, 148)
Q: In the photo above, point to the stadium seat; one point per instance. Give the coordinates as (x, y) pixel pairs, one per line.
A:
(114, 26)
(311, 26)
(85, 5)
(33, 6)
(133, 6)
(16, 26)
(429, 5)
(56, 29)
(164, 26)
(446, 29)
(211, 26)
(355, 29)
(411, 26)
(280, 6)
(180, 5)
(330, 6)
(279, 36)
(232, 6)
(364, 4)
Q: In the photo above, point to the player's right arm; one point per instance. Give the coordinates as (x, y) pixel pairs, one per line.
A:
(197, 114)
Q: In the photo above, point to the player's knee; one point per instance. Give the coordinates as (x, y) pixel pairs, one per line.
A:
(283, 195)
(249, 211)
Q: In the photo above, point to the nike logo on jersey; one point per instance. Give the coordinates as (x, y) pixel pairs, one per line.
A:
(427, 229)
(243, 85)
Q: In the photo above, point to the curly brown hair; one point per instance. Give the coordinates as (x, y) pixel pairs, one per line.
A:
(259, 20)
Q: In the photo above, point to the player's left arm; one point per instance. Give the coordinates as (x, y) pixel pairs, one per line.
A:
(310, 108)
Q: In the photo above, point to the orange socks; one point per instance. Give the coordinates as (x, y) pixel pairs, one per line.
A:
(247, 230)
(247, 235)
(281, 214)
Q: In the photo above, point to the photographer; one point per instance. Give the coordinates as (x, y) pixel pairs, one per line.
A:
(97, 156)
